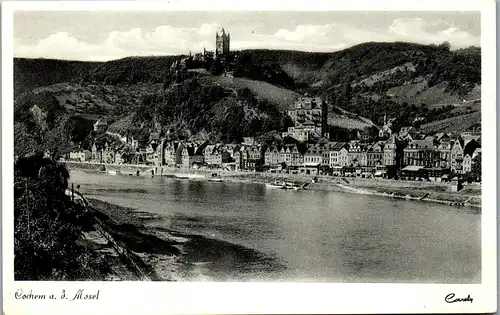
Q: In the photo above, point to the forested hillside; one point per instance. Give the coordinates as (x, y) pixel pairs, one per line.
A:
(362, 84)
(32, 73)
(224, 115)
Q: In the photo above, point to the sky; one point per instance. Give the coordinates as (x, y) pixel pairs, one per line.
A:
(105, 35)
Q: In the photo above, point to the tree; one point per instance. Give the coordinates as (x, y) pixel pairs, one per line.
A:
(476, 167)
(48, 226)
(24, 143)
(445, 46)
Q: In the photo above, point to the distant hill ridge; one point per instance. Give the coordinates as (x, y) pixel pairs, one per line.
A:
(355, 62)
(362, 84)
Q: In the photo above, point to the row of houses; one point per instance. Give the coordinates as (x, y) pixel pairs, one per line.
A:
(408, 152)
(439, 152)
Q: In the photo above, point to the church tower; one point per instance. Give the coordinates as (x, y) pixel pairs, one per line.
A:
(222, 43)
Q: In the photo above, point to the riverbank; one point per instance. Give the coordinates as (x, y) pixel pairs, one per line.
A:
(439, 192)
(469, 196)
(168, 255)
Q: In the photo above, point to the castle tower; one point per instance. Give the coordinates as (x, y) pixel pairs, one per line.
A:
(222, 43)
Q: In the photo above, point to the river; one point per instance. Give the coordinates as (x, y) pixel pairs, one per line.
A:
(316, 235)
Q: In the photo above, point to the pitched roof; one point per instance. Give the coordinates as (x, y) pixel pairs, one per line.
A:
(210, 149)
(100, 122)
(460, 141)
(338, 146)
(314, 149)
(428, 142)
(470, 147)
(439, 135)
(201, 148)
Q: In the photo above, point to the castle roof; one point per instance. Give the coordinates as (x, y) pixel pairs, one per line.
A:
(222, 32)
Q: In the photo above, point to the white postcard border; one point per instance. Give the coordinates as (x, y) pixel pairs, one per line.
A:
(239, 298)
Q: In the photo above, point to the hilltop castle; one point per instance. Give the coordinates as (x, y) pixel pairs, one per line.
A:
(222, 43)
(201, 60)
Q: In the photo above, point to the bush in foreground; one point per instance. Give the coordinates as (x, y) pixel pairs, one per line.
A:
(48, 226)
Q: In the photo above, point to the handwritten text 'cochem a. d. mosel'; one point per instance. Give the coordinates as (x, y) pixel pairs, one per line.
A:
(79, 295)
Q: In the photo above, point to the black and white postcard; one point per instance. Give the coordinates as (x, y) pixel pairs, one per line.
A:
(221, 157)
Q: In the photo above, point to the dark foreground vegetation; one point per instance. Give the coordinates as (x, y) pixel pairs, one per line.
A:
(48, 227)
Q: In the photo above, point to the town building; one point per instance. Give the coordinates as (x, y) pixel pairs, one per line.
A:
(216, 155)
(469, 159)
(357, 154)
(238, 158)
(390, 152)
(297, 158)
(231, 148)
(314, 154)
(457, 155)
(102, 154)
(442, 137)
(309, 115)
(187, 155)
(119, 157)
(298, 133)
(444, 151)
(132, 142)
(249, 141)
(100, 126)
(471, 150)
(367, 134)
(271, 156)
(343, 156)
(193, 154)
(338, 157)
(81, 155)
(312, 160)
(108, 154)
(386, 131)
(172, 153)
(375, 154)
(213, 156)
(252, 158)
(285, 156)
(325, 151)
(421, 153)
(408, 133)
(96, 154)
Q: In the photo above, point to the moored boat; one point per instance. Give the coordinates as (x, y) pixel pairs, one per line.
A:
(215, 179)
(295, 186)
(276, 185)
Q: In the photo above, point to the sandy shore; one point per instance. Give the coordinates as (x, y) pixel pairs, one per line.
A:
(167, 255)
(469, 196)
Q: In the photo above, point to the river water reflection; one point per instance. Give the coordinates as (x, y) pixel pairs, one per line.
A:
(316, 235)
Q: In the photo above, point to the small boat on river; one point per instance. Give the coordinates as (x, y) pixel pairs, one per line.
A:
(294, 186)
(215, 179)
(276, 185)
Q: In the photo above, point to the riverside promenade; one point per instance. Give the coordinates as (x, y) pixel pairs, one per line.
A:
(122, 261)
